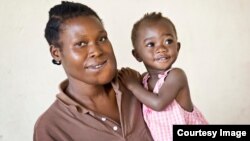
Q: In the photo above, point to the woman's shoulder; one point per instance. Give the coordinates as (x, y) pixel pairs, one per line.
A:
(45, 127)
(49, 115)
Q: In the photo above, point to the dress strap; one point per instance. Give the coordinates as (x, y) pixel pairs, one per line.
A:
(145, 80)
(165, 73)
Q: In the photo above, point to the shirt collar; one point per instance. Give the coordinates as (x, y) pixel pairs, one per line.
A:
(62, 96)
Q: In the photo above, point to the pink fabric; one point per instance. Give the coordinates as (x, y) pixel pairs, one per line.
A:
(160, 123)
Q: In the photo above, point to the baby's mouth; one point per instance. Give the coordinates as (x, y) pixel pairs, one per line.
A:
(162, 59)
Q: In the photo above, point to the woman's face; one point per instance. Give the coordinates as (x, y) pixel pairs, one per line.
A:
(87, 53)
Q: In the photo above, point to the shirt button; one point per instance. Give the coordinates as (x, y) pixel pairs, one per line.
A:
(115, 128)
(103, 119)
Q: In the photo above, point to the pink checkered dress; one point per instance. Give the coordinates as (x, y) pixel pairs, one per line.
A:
(160, 123)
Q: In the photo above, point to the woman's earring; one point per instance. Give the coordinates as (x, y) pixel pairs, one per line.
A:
(56, 62)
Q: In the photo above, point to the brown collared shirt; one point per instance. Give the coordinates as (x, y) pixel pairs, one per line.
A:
(67, 120)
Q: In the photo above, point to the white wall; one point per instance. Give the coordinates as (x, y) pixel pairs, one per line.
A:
(215, 48)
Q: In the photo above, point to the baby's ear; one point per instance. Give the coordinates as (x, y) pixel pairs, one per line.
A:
(136, 55)
(178, 46)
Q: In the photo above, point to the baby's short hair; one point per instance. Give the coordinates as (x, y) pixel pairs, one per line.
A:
(154, 16)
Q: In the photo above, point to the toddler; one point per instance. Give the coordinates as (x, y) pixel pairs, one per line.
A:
(165, 95)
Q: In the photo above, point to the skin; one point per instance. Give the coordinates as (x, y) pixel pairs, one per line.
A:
(157, 47)
(89, 63)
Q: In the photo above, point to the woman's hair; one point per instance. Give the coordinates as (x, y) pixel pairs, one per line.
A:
(61, 12)
(149, 17)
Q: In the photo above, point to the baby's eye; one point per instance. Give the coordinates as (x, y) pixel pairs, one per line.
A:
(168, 41)
(150, 44)
(103, 39)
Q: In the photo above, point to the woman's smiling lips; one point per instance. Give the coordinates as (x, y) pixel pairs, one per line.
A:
(97, 66)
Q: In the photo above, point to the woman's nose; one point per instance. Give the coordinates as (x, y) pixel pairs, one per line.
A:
(95, 50)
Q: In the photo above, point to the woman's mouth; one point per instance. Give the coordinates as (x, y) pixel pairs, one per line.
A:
(97, 66)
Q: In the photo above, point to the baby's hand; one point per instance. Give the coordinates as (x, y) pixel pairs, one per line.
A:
(129, 77)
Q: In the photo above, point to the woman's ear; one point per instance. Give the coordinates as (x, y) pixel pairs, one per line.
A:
(136, 55)
(55, 53)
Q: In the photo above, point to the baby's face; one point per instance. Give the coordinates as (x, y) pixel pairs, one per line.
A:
(87, 53)
(156, 45)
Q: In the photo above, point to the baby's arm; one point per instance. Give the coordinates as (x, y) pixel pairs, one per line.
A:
(174, 84)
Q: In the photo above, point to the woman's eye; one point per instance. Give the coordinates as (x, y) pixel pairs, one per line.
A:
(151, 44)
(168, 41)
(82, 44)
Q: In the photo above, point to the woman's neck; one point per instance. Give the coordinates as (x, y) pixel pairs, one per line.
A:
(98, 98)
(81, 91)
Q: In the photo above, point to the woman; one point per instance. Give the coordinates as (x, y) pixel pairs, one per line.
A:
(92, 104)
